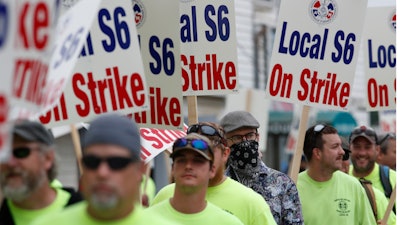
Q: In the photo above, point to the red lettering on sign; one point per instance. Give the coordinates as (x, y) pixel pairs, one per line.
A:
(332, 92)
(163, 110)
(33, 25)
(217, 75)
(29, 80)
(126, 91)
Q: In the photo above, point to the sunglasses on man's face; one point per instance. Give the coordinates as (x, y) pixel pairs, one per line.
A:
(93, 162)
(346, 155)
(21, 152)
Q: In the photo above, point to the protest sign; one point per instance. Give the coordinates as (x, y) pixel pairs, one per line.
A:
(109, 73)
(34, 37)
(208, 47)
(72, 29)
(158, 28)
(7, 35)
(314, 57)
(315, 52)
(379, 41)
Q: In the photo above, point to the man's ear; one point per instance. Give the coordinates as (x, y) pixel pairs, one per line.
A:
(49, 159)
(316, 153)
(212, 170)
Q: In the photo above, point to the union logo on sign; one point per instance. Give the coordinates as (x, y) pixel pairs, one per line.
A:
(393, 21)
(139, 12)
(323, 12)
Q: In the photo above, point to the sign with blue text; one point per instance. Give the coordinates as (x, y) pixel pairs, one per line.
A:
(379, 41)
(208, 47)
(315, 52)
(158, 28)
(108, 75)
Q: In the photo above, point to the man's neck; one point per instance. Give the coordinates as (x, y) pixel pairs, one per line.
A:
(41, 197)
(217, 179)
(360, 174)
(189, 203)
(319, 174)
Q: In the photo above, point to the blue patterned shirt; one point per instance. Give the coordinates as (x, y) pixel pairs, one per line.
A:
(278, 190)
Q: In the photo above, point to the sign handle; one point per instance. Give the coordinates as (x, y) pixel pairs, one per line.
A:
(77, 146)
(295, 165)
(389, 207)
(192, 109)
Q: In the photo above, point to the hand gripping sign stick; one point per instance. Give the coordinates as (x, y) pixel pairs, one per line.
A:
(389, 207)
(294, 167)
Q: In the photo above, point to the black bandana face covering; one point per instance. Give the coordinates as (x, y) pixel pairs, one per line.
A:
(244, 155)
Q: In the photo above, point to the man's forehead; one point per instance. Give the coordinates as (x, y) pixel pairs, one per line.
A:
(361, 140)
(243, 130)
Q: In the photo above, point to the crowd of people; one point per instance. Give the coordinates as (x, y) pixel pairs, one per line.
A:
(218, 177)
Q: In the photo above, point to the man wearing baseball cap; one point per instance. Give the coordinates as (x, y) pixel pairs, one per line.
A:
(192, 168)
(25, 178)
(245, 166)
(364, 152)
(112, 172)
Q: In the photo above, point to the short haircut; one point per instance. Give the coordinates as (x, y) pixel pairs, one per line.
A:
(313, 139)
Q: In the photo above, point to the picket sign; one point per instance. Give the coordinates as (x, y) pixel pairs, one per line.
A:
(314, 58)
(295, 165)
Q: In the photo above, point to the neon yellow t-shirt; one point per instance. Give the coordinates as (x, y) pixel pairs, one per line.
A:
(25, 217)
(340, 200)
(381, 205)
(374, 177)
(233, 197)
(210, 215)
(77, 215)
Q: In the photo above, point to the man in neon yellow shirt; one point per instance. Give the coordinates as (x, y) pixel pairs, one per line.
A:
(380, 199)
(327, 195)
(192, 169)
(112, 173)
(364, 152)
(230, 195)
(26, 177)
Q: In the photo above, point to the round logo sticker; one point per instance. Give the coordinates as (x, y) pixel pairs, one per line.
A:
(324, 11)
(139, 12)
(393, 21)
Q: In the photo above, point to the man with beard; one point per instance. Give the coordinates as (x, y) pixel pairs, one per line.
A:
(26, 177)
(329, 196)
(245, 166)
(112, 173)
(364, 153)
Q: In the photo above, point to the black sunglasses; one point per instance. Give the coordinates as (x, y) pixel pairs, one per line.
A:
(21, 152)
(391, 135)
(346, 155)
(204, 130)
(195, 143)
(114, 162)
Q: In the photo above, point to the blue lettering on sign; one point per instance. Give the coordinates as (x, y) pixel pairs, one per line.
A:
(69, 46)
(222, 27)
(165, 61)
(120, 27)
(345, 51)
(384, 56)
(189, 26)
(306, 45)
(88, 46)
(4, 20)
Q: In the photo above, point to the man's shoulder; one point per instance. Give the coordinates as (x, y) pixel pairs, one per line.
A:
(61, 216)
(272, 175)
(244, 192)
